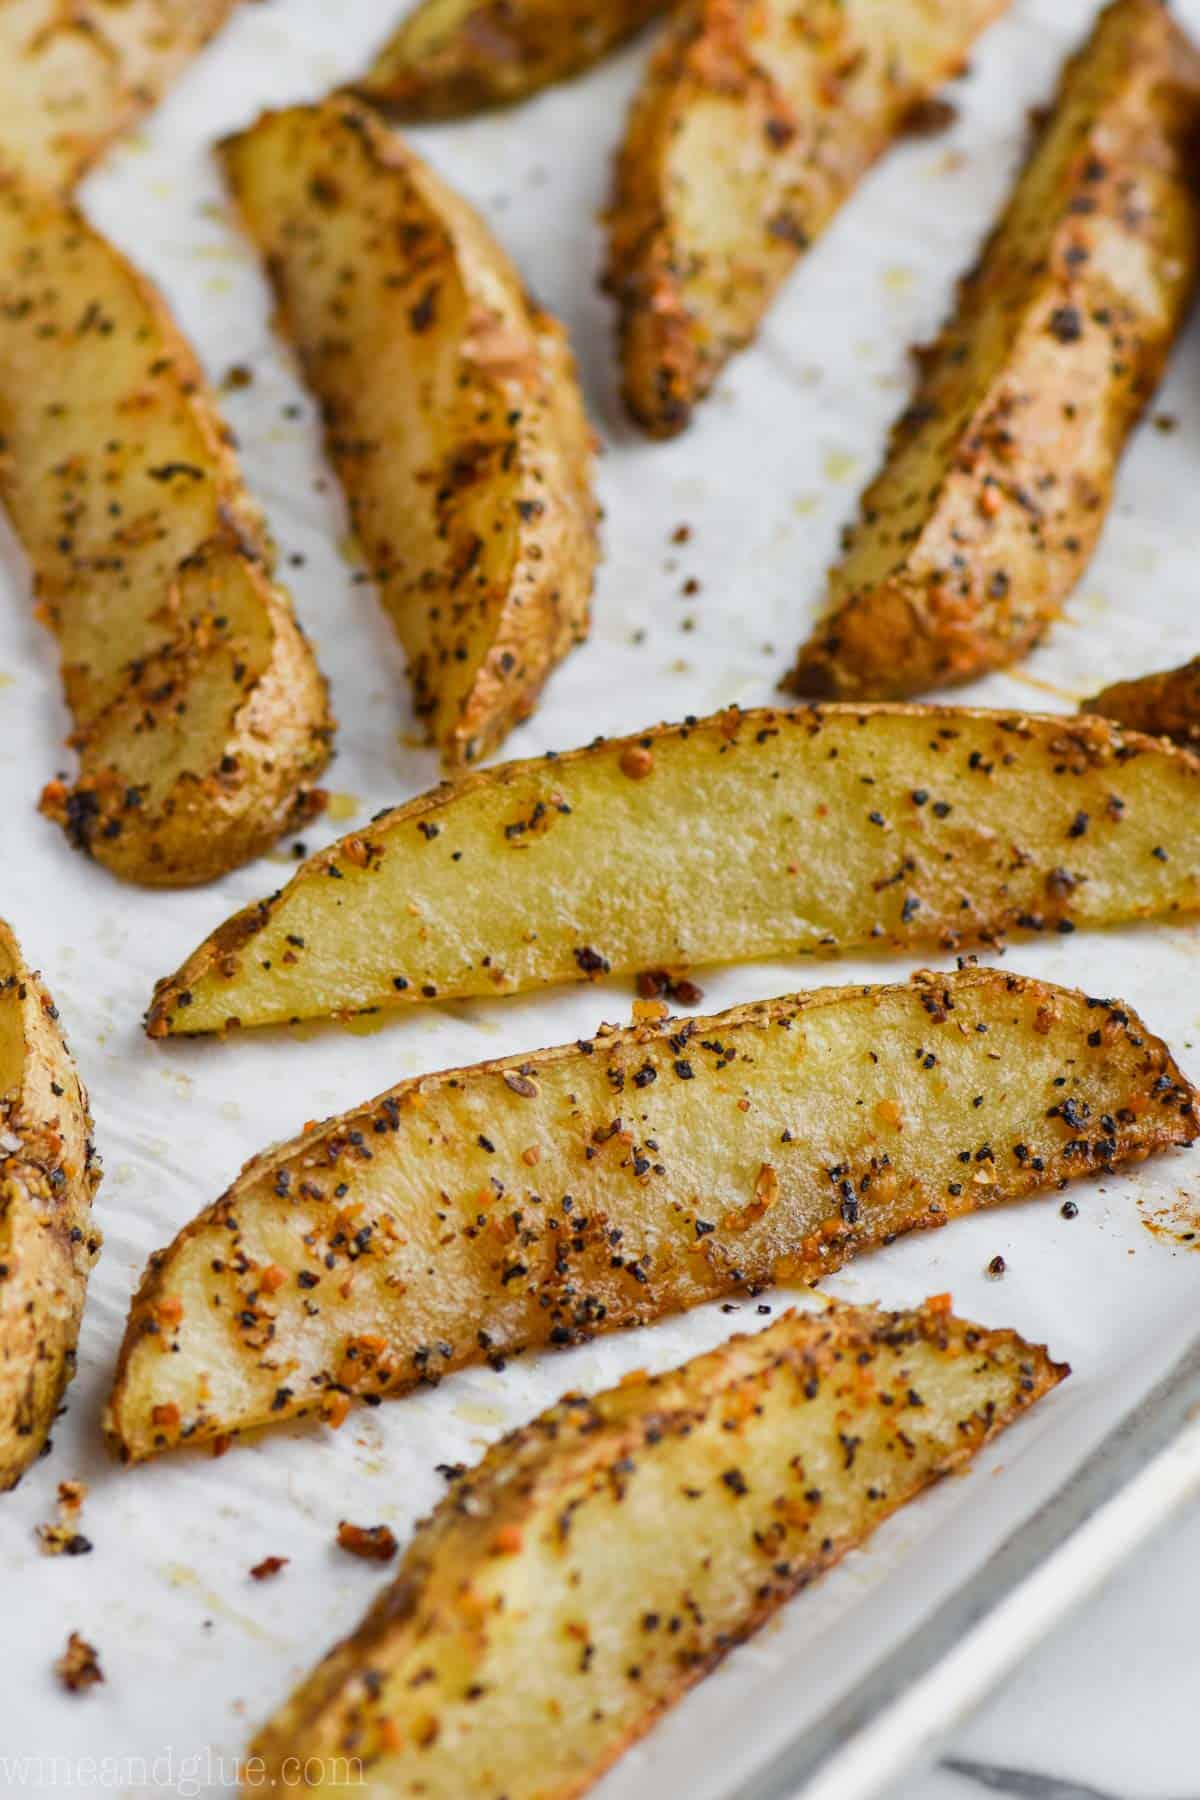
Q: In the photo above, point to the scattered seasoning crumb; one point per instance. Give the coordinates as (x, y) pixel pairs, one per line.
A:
(63, 1538)
(237, 376)
(654, 983)
(1068, 1209)
(930, 118)
(1166, 423)
(373, 1543)
(270, 1565)
(681, 534)
(996, 1267)
(78, 1668)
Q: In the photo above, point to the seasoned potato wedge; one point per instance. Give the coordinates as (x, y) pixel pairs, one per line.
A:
(75, 75)
(452, 410)
(1165, 705)
(599, 1562)
(542, 1199)
(49, 1173)
(201, 719)
(755, 121)
(451, 57)
(1000, 472)
(749, 834)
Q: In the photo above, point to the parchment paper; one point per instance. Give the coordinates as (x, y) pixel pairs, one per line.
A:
(194, 1652)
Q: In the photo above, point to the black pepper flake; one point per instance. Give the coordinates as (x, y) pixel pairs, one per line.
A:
(735, 1481)
(1066, 324)
(684, 1069)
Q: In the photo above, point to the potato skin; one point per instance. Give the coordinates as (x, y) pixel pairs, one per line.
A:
(1164, 705)
(74, 77)
(744, 835)
(49, 1173)
(755, 121)
(451, 58)
(201, 718)
(546, 1198)
(999, 474)
(452, 411)
(601, 1560)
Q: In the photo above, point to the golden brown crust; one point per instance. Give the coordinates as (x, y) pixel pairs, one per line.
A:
(49, 1174)
(999, 474)
(201, 718)
(1164, 705)
(76, 74)
(451, 406)
(543, 1199)
(604, 1558)
(760, 833)
(753, 124)
(451, 58)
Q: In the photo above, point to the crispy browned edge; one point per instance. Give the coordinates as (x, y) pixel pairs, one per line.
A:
(71, 1242)
(902, 637)
(835, 1335)
(259, 784)
(708, 48)
(1184, 1128)
(1163, 705)
(502, 52)
(501, 697)
(132, 101)
(234, 933)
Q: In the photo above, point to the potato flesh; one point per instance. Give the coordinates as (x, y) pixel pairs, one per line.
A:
(754, 123)
(544, 1199)
(200, 715)
(598, 1563)
(453, 57)
(999, 474)
(48, 1176)
(452, 410)
(72, 77)
(752, 834)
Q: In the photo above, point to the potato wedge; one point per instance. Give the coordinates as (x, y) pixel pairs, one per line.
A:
(755, 121)
(744, 835)
(453, 414)
(49, 1173)
(999, 474)
(450, 58)
(543, 1199)
(598, 1562)
(76, 75)
(1165, 705)
(201, 719)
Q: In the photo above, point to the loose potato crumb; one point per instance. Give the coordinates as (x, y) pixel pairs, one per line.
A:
(373, 1543)
(78, 1668)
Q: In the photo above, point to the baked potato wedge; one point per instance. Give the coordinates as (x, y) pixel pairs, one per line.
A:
(449, 58)
(75, 74)
(200, 718)
(744, 835)
(546, 1198)
(598, 1562)
(49, 1173)
(999, 475)
(452, 411)
(1165, 705)
(755, 120)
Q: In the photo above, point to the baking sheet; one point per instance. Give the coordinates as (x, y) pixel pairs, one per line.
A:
(194, 1651)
